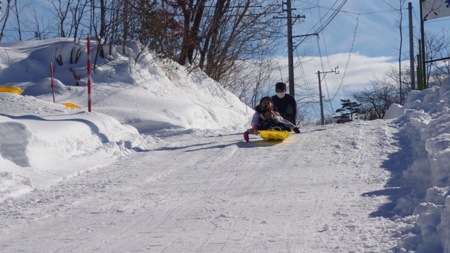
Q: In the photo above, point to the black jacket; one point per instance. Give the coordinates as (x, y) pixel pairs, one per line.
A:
(286, 106)
(268, 124)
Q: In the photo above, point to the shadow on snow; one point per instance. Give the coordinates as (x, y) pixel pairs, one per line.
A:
(395, 187)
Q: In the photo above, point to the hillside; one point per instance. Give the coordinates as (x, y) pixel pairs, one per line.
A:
(159, 165)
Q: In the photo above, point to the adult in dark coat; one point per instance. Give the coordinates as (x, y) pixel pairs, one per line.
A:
(284, 103)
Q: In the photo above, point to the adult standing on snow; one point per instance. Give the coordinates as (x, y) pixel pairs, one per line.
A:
(285, 103)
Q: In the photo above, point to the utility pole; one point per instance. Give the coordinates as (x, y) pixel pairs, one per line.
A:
(422, 82)
(336, 71)
(290, 23)
(290, 49)
(411, 50)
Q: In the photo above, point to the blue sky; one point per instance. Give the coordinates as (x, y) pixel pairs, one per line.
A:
(372, 26)
(362, 39)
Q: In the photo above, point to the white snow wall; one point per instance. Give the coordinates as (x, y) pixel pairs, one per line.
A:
(427, 117)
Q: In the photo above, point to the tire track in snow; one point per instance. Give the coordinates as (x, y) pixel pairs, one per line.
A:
(212, 194)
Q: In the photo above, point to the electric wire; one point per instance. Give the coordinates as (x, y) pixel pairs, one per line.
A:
(330, 18)
(322, 66)
(323, 25)
(321, 62)
(348, 58)
(308, 90)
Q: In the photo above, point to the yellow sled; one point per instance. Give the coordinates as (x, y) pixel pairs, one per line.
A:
(11, 89)
(71, 105)
(273, 135)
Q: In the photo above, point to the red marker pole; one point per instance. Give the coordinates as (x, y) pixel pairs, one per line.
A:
(89, 71)
(245, 98)
(52, 83)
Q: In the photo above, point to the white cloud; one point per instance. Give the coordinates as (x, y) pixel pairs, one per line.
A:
(368, 27)
(356, 76)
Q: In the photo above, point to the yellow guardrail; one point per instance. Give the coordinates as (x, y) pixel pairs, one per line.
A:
(11, 89)
(71, 105)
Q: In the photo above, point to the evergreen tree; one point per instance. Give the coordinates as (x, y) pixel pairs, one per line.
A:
(347, 110)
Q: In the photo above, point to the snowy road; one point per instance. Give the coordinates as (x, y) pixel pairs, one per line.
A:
(310, 193)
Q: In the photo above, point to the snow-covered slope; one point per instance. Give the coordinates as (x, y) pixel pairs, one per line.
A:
(160, 165)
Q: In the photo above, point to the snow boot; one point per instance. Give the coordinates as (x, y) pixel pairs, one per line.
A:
(246, 138)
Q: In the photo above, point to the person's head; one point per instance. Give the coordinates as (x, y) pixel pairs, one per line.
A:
(280, 89)
(267, 114)
(265, 102)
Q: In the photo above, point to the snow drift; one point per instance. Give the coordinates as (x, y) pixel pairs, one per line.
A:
(138, 103)
(130, 98)
(425, 121)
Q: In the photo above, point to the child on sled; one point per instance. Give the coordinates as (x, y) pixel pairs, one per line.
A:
(265, 105)
(270, 120)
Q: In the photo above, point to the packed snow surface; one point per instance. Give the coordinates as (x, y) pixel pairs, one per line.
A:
(160, 165)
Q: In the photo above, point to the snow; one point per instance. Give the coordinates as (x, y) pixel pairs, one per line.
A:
(159, 165)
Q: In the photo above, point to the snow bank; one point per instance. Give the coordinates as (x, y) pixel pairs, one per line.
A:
(426, 122)
(42, 142)
(394, 111)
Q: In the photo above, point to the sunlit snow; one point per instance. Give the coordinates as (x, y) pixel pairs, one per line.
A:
(160, 165)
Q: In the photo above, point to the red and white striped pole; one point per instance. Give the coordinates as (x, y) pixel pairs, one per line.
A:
(89, 71)
(52, 82)
(245, 98)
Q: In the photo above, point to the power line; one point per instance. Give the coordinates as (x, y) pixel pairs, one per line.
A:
(330, 18)
(336, 71)
(348, 59)
(324, 22)
(290, 22)
(322, 26)
(322, 67)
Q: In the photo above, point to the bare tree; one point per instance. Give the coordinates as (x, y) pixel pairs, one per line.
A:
(62, 10)
(5, 19)
(168, 30)
(78, 11)
(400, 50)
(250, 79)
(192, 13)
(437, 48)
(125, 23)
(214, 37)
(100, 35)
(114, 24)
(236, 31)
(377, 100)
(17, 14)
(217, 38)
(14, 20)
(38, 31)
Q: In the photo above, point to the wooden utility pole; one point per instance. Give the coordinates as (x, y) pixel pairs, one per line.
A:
(336, 71)
(290, 49)
(322, 116)
(290, 45)
(412, 69)
(422, 82)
